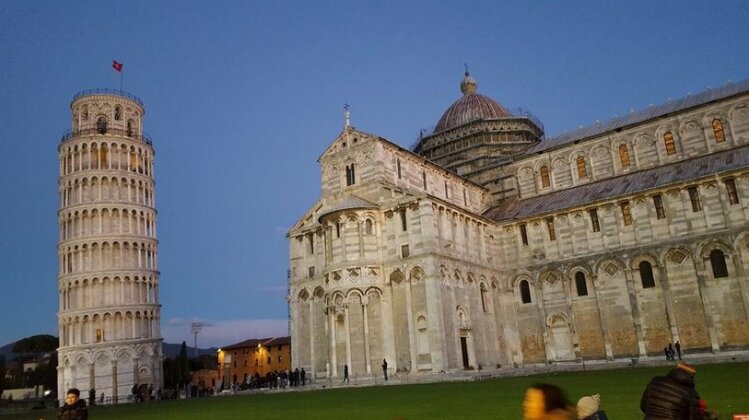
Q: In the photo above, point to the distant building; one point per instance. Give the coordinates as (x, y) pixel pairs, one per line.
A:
(249, 357)
(489, 245)
(109, 318)
(205, 378)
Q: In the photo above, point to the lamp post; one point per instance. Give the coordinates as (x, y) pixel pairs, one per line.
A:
(196, 328)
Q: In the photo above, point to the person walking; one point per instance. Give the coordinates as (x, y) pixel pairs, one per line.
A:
(671, 351)
(303, 374)
(345, 374)
(588, 408)
(385, 368)
(673, 396)
(678, 348)
(74, 407)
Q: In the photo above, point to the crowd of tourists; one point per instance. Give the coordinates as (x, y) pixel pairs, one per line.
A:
(670, 397)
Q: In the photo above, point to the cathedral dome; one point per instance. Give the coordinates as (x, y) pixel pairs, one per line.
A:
(470, 107)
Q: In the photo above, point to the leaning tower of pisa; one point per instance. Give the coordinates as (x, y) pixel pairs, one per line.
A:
(108, 252)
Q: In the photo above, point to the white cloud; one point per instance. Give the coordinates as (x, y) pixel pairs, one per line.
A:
(217, 333)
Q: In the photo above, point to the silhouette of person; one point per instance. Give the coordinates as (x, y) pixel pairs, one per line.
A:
(385, 368)
(345, 374)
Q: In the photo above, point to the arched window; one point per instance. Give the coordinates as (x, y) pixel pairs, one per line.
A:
(718, 261)
(84, 112)
(581, 284)
(117, 113)
(525, 292)
(720, 136)
(545, 181)
(369, 227)
(483, 297)
(646, 275)
(129, 128)
(350, 175)
(668, 141)
(624, 155)
(582, 171)
(101, 125)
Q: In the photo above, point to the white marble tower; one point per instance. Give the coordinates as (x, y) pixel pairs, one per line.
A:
(108, 252)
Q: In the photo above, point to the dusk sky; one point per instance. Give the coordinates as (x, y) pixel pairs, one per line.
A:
(242, 98)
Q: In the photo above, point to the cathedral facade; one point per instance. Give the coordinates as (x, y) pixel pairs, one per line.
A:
(488, 245)
(109, 317)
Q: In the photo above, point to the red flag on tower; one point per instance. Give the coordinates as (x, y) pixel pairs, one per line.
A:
(117, 66)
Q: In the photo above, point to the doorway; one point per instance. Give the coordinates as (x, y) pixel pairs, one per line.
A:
(464, 350)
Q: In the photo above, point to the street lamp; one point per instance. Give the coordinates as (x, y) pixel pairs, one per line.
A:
(196, 328)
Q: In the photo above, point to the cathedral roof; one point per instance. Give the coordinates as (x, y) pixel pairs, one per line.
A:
(470, 107)
(636, 117)
(624, 185)
(348, 203)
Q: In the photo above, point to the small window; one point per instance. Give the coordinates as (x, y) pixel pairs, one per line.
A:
(465, 198)
(311, 273)
(483, 297)
(129, 128)
(338, 229)
(350, 175)
(279, 359)
(718, 262)
(447, 191)
(582, 170)
(646, 275)
(101, 125)
(660, 212)
(84, 113)
(668, 141)
(595, 224)
(404, 224)
(424, 178)
(624, 155)
(545, 180)
(310, 243)
(580, 284)
(404, 251)
(117, 113)
(552, 232)
(720, 136)
(733, 194)
(525, 292)
(398, 166)
(694, 197)
(369, 227)
(524, 234)
(99, 335)
(626, 214)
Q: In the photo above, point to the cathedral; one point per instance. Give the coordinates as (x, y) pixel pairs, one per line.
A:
(488, 245)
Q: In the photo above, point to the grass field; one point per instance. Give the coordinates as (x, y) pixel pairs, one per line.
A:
(724, 386)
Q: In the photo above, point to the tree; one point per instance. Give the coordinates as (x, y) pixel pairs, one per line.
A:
(183, 364)
(36, 344)
(2, 373)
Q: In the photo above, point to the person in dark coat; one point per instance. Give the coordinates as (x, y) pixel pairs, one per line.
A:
(678, 349)
(671, 351)
(304, 376)
(345, 374)
(74, 408)
(672, 396)
(385, 368)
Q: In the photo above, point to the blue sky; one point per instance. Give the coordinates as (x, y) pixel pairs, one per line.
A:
(242, 97)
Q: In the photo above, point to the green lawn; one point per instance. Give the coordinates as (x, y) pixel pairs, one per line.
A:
(724, 386)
